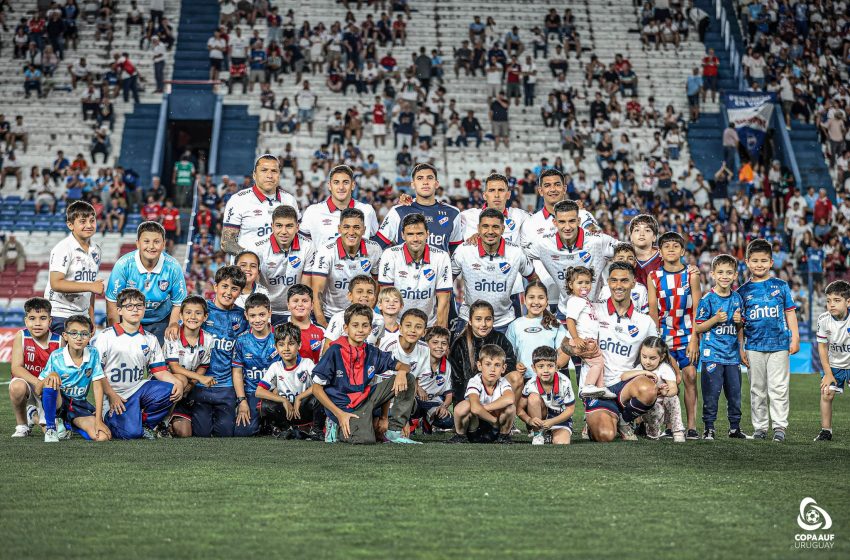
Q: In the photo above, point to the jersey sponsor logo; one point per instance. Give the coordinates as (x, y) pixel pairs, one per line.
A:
(476, 266)
(725, 330)
(85, 276)
(490, 286)
(365, 264)
(615, 347)
(429, 274)
(763, 312)
(254, 373)
(532, 330)
(258, 212)
(265, 230)
(774, 293)
(341, 284)
(282, 281)
(163, 285)
(436, 240)
(401, 273)
(839, 348)
(338, 266)
(504, 267)
(327, 222)
(124, 374)
(412, 293)
(224, 344)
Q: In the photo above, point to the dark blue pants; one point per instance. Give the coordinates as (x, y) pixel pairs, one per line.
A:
(253, 427)
(714, 378)
(145, 409)
(214, 413)
(421, 408)
(158, 329)
(57, 325)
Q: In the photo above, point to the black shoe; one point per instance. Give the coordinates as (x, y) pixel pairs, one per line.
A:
(708, 434)
(691, 434)
(504, 439)
(458, 438)
(315, 435)
(824, 435)
(640, 429)
(668, 434)
(738, 434)
(162, 431)
(285, 434)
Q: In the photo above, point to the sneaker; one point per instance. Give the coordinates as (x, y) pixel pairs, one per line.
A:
(331, 432)
(64, 433)
(626, 432)
(779, 436)
(824, 435)
(547, 437)
(679, 437)
(588, 391)
(691, 434)
(504, 439)
(148, 433)
(607, 394)
(21, 430)
(458, 438)
(584, 434)
(516, 431)
(284, 434)
(397, 437)
(315, 435)
(708, 434)
(538, 439)
(32, 412)
(50, 436)
(162, 431)
(738, 434)
(760, 434)
(668, 434)
(835, 389)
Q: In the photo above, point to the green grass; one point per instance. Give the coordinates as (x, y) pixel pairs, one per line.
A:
(263, 497)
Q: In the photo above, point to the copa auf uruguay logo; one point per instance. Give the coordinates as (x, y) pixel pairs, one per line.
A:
(813, 518)
(429, 274)
(633, 330)
(584, 256)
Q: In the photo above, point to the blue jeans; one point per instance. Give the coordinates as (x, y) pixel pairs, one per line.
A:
(714, 378)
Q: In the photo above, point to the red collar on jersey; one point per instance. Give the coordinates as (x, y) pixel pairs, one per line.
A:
(408, 258)
(555, 386)
(505, 212)
(185, 342)
(613, 311)
(343, 254)
(119, 331)
(297, 361)
(277, 249)
(500, 251)
(333, 208)
(261, 196)
(579, 244)
(442, 367)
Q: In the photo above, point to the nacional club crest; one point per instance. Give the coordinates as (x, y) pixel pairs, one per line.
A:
(584, 256)
(429, 274)
(504, 267)
(163, 285)
(633, 330)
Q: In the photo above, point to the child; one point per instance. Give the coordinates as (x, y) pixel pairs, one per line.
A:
(654, 359)
(299, 302)
(834, 351)
(249, 263)
(214, 408)
(583, 328)
(64, 383)
(539, 327)
(547, 402)
(390, 304)
(188, 358)
(718, 321)
(488, 407)
(363, 290)
(434, 390)
(31, 348)
(478, 333)
(625, 252)
(770, 336)
(673, 292)
(342, 383)
(253, 353)
(406, 344)
(286, 389)
(74, 264)
(129, 355)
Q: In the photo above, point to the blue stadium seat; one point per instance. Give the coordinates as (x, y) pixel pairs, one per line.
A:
(12, 199)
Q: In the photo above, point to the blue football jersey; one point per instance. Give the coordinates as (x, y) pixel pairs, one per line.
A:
(254, 355)
(75, 379)
(720, 344)
(765, 304)
(164, 287)
(445, 225)
(225, 326)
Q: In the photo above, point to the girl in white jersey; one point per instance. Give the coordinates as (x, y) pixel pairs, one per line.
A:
(583, 327)
(249, 263)
(654, 359)
(539, 327)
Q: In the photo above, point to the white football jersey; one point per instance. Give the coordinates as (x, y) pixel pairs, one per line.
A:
(620, 338)
(280, 269)
(583, 313)
(251, 210)
(419, 282)
(639, 296)
(559, 398)
(419, 359)
(514, 220)
(490, 277)
(78, 265)
(333, 263)
(336, 327)
(128, 359)
(436, 382)
(476, 387)
(187, 356)
(321, 221)
(287, 382)
(836, 335)
(537, 225)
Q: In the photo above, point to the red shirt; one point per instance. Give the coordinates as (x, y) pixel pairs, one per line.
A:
(312, 339)
(643, 269)
(514, 72)
(35, 357)
(379, 114)
(204, 218)
(151, 211)
(709, 65)
(823, 209)
(473, 185)
(237, 70)
(170, 218)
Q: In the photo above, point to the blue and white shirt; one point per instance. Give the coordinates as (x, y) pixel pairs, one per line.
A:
(765, 326)
(444, 223)
(75, 379)
(223, 326)
(164, 287)
(720, 344)
(254, 356)
(287, 382)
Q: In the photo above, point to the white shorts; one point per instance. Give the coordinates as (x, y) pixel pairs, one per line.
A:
(32, 399)
(267, 115)
(379, 129)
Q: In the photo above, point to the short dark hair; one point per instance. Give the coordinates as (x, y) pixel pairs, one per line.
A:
(37, 304)
(544, 354)
(357, 309)
(265, 156)
(623, 247)
(759, 246)
(671, 237)
(232, 273)
(246, 253)
(341, 169)
(491, 213)
(287, 330)
(258, 300)
(839, 288)
(495, 177)
(420, 166)
(414, 220)
(566, 206)
(299, 290)
(724, 259)
(129, 294)
(78, 209)
(150, 227)
(645, 219)
(349, 213)
(362, 279)
(620, 265)
(551, 172)
(285, 212)
(492, 351)
(79, 319)
(195, 300)
(413, 312)
(435, 331)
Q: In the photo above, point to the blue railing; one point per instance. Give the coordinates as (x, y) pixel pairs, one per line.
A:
(161, 131)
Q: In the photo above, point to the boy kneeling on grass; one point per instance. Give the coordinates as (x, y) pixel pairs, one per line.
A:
(487, 414)
(286, 389)
(342, 384)
(547, 402)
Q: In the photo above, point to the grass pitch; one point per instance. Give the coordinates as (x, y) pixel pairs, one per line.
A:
(268, 498)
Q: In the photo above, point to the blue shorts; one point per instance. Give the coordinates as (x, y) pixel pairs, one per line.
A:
(565, 425)
(593, 405)
(57, 325)
(842, 376)
(75, 408)
(681, 357)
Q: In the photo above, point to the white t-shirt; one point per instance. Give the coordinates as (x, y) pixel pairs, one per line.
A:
(561, 396)
(437, 382)
(418, 282)
(476, 387)
(219, 45)
(128, 360)
(251, 211)
(333, 263)
(582, 312)
(419, 359)
(185, 355)
(280, 270)
(836, 335)
(320, 221)
(639, 296)
(69, 258)
(336, 328)
(620, 338)
(287, 382)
